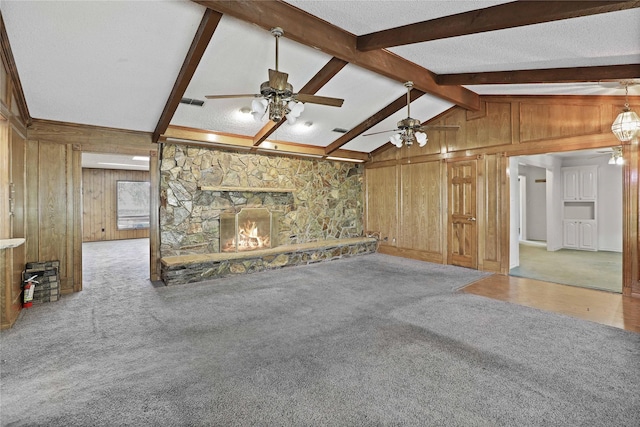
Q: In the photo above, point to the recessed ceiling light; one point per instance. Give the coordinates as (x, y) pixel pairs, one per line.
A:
(121, 164)
(245, 110)
(308, 124)
(344, 159)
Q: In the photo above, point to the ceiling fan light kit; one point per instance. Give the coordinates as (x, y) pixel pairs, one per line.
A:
(411, 130)
(627, 125)
(616, 157)
(277, 96)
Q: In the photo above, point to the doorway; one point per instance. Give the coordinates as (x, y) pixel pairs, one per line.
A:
(541, 251)
(105, 202)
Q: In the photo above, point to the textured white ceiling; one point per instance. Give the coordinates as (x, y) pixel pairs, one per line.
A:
(105, 63)
(606, 39)
(114, 63)
(361, 17)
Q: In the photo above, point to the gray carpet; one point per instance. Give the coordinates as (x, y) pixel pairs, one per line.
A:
(367, 341)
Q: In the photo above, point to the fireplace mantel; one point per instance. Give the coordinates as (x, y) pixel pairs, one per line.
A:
(247, 189)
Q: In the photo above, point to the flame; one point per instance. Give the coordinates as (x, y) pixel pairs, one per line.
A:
(249, 239)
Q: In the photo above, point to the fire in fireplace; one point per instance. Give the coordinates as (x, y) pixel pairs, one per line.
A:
(248, 230)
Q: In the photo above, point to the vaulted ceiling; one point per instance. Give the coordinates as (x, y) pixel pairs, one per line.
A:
(127, 64)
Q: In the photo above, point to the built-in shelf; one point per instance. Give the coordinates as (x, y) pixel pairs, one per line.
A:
(579, 210)
(11, 243)
(247, 189)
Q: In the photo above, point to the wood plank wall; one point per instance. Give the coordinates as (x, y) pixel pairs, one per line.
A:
(406, 198)
(12, 187)
(53, 202)
(99, 221)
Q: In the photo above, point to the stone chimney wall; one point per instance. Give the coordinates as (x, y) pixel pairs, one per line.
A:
(318, 199)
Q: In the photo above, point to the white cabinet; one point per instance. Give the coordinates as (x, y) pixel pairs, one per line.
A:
(579, 224)
(580, 183)
(580, 234)
(570, 183)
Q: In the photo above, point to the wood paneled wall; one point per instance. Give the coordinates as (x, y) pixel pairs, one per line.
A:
(13, 120)
(42, 161)
(406, 188)
(54, 189)
(99, 220)
(52, 206)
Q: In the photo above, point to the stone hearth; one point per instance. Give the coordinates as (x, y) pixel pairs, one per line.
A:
(183, 269)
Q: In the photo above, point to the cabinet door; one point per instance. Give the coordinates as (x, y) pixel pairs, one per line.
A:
(570, 183)
(588, 183)
(570, 234)
(588, 235)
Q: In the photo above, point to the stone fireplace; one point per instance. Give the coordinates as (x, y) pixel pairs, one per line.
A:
(309, 200)
(248, 230)
(225, 213)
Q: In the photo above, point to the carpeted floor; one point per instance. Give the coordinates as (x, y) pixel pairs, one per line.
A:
(367, 341)
(596, 270)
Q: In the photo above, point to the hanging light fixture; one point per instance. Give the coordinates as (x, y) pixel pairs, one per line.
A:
(277, 98)
(410, 129)
(616, 157)
(627, 124)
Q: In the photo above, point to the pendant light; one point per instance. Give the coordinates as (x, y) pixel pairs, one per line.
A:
(627, 124)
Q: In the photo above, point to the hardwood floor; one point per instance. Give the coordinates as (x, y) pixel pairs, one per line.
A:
(597, 306)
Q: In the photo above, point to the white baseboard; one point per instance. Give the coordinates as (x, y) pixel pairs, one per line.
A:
(603, 248)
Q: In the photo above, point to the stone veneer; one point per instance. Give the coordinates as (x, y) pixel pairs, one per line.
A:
(323, 199)
(183, 269)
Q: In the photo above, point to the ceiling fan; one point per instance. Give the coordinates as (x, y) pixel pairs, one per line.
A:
(277, 96)
(411, 130)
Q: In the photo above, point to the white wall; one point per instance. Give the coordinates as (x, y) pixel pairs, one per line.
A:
(554, 205)
(514, 213)
(536, 202)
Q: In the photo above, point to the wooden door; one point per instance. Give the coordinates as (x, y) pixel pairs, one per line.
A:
(463, 234)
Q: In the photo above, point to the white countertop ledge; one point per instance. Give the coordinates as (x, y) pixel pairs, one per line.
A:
(11, 243)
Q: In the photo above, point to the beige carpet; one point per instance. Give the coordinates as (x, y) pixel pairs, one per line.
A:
(596, 270)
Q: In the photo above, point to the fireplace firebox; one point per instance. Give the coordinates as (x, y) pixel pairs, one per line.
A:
(248, 230)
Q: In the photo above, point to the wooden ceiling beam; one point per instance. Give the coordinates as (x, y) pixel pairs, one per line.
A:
(499, 17)
(311, 31)
(314, 85)
(201, 40)
(390, 109)
(181, 134)
(548, 75)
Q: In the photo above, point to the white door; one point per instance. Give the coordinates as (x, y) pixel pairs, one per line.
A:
(570, 184)
(588, 235)
(588, 183)
(570, 231)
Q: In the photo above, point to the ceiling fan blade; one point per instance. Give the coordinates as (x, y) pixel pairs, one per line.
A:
(378, 133)
(278, 79)
(322, 100)
(249, 95)
(440, 127)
